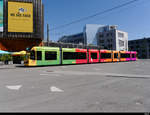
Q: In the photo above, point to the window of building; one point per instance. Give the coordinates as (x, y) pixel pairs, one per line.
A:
(137, 42)
(39, 55)
(111, 34)
(101, 35)
(132, 47)
(105, 47)
(107, 34)
(132, 42)
(105, 29)
(101, 41)
(121, 43)
(50, 55)
(105, 55)
(120, 35)
(144, 51)
(94, 55)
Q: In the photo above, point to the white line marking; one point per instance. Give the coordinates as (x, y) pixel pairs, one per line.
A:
(43, 74)
(55, 89)
(97, 69)
(15, 87)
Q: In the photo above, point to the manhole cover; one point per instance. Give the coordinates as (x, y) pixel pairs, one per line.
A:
(49, 71)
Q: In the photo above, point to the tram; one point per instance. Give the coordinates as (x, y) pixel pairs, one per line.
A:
(45, 56)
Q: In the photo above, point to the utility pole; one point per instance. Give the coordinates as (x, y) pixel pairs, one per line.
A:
(47, 34)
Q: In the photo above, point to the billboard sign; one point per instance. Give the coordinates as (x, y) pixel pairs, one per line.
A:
(20, 17)
(1, 15)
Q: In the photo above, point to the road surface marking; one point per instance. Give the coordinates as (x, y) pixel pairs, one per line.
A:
(55, 89)
(97, 69)
(15, 87)
(43, 74)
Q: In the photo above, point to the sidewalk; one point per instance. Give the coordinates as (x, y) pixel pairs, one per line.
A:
(5, 66)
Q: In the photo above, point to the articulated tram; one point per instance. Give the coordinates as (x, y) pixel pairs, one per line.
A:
(44, 56)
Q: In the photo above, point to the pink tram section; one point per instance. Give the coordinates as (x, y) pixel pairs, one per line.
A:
(128, 56)
(133, 56)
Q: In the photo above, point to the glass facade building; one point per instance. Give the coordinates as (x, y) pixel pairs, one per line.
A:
(107, 37)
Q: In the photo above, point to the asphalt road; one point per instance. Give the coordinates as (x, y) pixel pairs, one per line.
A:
(107, 87)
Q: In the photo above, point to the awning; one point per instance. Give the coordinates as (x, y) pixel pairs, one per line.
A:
(4, 52)
(19, 53)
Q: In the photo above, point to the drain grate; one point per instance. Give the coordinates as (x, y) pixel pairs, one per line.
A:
(49, 71)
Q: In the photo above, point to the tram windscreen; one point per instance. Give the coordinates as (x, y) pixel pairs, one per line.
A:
(39, 55)
(32, 55)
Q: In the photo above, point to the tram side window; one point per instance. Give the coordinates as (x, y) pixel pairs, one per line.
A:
(123, 56)
(133, 56)
(69, 55)
(39, 55)
(94, 55)
(32, 55)
(105, 55)
(128, 55)
(49, 55)
(74, 55)
(80, 55)
(115, 55)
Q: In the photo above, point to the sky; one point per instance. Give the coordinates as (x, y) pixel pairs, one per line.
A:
(134, 18)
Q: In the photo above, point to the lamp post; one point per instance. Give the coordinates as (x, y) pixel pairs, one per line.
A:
(47, 34)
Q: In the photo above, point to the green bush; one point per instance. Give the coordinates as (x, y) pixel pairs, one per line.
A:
(5, 57)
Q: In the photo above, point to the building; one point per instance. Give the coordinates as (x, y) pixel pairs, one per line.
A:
(77, 39)
(107, 37)
(21, 24)
(90, 33)
(142, 46)
(112, 39)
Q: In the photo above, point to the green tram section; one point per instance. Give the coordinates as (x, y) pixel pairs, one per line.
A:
(68, 56)
(47, 56)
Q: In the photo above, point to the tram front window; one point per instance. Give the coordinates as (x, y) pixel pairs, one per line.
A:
(32, 55)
